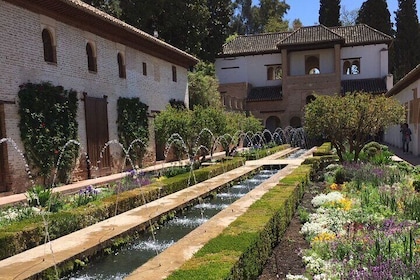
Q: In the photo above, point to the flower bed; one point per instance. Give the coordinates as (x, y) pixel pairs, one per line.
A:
(366, 226)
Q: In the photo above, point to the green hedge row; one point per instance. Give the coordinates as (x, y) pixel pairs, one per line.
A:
(26, 234)
(243, 248)
(253, 154)
(324, 149)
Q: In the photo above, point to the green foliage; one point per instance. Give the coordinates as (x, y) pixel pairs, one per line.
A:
(349, 121)
(169, 17)
(375, 13)
(173, 171)
(329, 13)
(38, 196)
(27, 232)
(242, 249)
(133, 126)
(47, 123)
(190, 128)
(85, 195)
(268, 16)
(407, 39)
(203, 86)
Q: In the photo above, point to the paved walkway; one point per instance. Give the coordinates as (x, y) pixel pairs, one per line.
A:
(75, 187)
(399, 155)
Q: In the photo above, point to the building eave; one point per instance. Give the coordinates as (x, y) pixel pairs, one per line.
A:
(407, 80)
(85, 17)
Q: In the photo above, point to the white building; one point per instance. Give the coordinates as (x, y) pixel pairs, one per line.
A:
(69, 43)
(274, 75)
(406, 91)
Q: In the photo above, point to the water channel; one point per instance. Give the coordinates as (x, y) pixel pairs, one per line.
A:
(128, 258)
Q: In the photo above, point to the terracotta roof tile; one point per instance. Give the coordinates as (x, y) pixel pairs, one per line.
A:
(361, 34)
(265, 93)
(375, 86)
(310, 35)
(307, 37)
(251, 44)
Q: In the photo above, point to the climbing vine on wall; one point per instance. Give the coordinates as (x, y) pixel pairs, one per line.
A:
(133, 127)
(47, 122)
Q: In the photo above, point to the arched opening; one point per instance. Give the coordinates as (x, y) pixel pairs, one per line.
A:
(312, 65)
(121, 66)
(91, 57)
(295, 122)
(49, 49)
(272, 123)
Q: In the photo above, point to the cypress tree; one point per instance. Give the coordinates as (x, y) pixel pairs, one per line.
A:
(375, 13)
(407, 40)
(329, 12)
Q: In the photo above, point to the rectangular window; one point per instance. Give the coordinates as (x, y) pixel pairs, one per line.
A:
(174, 79)
(144, 69)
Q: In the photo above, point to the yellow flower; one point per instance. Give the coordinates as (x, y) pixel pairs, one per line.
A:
(324, 237)
(334, 187)
(345, 204)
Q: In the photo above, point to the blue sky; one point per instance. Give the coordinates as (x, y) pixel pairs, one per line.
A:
(308, 10)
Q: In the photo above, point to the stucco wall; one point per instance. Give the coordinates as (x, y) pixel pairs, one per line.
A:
(373, 61)
(392, 134)
(251, 69)
(22, 60)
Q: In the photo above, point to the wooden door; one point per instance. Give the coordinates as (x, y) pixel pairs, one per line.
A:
(97, 131)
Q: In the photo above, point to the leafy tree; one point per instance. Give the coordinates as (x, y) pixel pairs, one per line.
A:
(407, 40)
(173, 127)
(221, 12)
(202, 126)
(188, 129)
(238, 124)
(329, 12)
(203, 86)
(242, 20)
(296, 24)
(270, 16)
(375, 13)
(350, 121)
(182, 24)
(111, 7)
(208, 124)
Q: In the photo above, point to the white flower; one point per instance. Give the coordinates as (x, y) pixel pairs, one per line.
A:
(295, 277)
(321, 199)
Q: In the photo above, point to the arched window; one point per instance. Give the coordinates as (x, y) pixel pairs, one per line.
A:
(121, 66)
(351, 67)
(272, 123)
(295, 122)
(91, 58)
(312, 65)
(270, 73)
(278, 73)
(49, 48)
(274, 72)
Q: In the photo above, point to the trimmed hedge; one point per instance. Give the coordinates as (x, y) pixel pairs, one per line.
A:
(253, 154)
(243, 248)
(26, 234)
